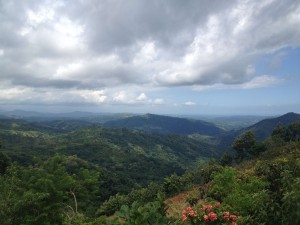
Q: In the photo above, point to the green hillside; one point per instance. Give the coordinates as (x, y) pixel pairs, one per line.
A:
(127, 158)
(166, 124)
(263, 189)
(261, 130)
(72, 173)
(265, 127)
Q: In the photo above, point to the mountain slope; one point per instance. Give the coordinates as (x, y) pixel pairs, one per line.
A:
(127, 158)
(262, 129)
(166, 124)
(265, 127)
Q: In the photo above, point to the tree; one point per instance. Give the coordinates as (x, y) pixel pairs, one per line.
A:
(243, 144)
(47, 193)
(226, 159)
(294, 131)
(4, 162)
(257, 148)
(279, 131)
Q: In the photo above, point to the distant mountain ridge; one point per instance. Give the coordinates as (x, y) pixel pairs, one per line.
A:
(166, 124)
(265, 127)
(261, 129)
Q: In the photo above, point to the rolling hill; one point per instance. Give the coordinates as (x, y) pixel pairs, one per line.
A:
(261, 130)
(166, 125)
(265, 127)
(123, 155)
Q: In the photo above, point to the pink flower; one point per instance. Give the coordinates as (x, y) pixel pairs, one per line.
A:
(226, 216)
(208, 207)
(226, 213)
(218, 204)
(192, 213)
(212, 216)
(184, 218)
(233, 217)
(205, 217)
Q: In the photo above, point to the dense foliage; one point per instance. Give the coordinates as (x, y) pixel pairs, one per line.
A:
(94, 175)
(126, 159)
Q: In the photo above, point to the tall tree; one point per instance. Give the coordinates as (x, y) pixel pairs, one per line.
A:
(243, 144)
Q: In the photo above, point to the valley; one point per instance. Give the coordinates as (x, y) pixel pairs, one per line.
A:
(119, 161)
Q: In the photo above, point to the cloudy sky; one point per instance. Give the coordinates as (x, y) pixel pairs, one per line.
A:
(158, 56)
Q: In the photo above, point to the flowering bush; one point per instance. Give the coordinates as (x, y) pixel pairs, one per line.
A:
(208, 214)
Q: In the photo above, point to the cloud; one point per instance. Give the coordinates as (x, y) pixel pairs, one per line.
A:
(142, 97)
(189, 103)
(94, 96)
(260, 82)
(256, 82)
(76, 49)
(158, 101)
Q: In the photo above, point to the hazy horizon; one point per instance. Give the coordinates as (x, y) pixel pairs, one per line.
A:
(190, 115)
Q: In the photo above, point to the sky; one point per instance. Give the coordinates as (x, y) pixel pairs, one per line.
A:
(159, 56)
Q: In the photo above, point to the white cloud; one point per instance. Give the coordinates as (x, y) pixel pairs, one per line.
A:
(81, 47)
(93, 96)
(13, 94)
(142, 97)
(147, 53)
(260, 82)
(189, 103)
(158, 101)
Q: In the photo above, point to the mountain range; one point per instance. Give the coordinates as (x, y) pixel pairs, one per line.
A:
(166, 124)
(265, 127)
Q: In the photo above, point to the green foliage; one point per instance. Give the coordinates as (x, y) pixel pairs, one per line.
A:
(257, 148)
(100, 162)
(4, 162)
(172, 185)
(126, 159)
(294, 131)
(237, 190)
(208, 169)
(47, 193)
(291, 200)
(143, 214)
(226, 159)
(279, 132)
(243, 144)
(113, 204)
(223, 183)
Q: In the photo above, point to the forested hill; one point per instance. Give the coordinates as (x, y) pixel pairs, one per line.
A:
(129, 158)
(166, 124)
(84, 175)
(265, 127)
(261, 130)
